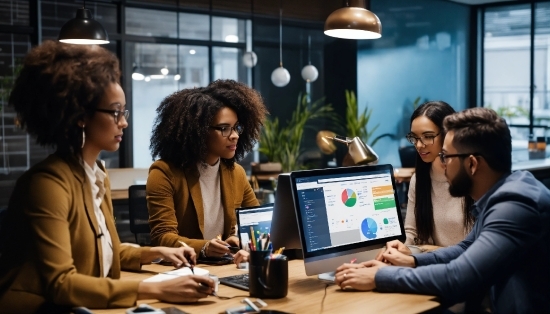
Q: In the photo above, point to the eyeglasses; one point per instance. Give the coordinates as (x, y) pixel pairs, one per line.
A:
(227, 130)
(116, 113)
(424, 139)
(443, 157)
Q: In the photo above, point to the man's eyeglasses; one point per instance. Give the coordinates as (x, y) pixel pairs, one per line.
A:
(116, 113)
(443, 157)
(427, 139)
(227, 130)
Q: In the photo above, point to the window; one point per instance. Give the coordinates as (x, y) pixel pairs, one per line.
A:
(509, 70)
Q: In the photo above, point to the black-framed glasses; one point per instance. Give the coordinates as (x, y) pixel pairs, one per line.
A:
(443, 157)
(116, 113)
(227, 130)
(427, 139)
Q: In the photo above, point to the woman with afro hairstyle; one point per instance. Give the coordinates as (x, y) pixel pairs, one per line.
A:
(196, 185)
(59, 245)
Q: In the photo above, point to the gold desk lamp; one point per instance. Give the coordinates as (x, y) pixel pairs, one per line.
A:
(359, 153)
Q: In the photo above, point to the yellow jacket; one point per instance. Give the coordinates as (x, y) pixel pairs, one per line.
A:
(174, 200)
(51, 251)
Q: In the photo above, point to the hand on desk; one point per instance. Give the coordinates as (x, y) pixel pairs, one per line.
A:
(179, 257)
(396, 253)
(358, 276)
(179, 290)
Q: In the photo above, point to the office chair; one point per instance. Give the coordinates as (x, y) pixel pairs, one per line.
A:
(139, 215)
(407, 155)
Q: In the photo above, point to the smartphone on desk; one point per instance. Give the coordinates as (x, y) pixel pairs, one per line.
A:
(248, 308)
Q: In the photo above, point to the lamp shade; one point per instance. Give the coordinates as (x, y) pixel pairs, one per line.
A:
(83, 30)
(359, 153)
(280, 77)
(250, 59)
(310, 73)
(353, 22)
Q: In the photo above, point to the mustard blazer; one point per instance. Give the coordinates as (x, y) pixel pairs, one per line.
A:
(174, 200)
(51, 251)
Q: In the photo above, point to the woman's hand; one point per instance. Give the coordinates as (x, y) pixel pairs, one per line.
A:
(241, 257)
(217, 248)
(397, 258)
(233, 241)
(358, 276)
(179, 257)
(181, 289)
(396, 244)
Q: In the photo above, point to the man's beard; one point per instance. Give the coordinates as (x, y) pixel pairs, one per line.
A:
(461, 185)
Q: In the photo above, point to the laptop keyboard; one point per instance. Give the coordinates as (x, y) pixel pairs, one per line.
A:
(237, 281)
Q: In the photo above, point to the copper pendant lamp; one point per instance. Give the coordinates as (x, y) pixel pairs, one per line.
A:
(353, 22)
(83, 30)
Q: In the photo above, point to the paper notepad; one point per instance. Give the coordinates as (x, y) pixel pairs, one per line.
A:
(184, 271)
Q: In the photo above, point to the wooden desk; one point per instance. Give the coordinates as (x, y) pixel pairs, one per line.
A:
(403, 174)
(305, 295)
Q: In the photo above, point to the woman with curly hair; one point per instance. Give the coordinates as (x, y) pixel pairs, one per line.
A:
(195, 186)
(60, 248)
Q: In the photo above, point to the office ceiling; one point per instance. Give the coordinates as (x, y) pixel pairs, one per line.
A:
(477, 2)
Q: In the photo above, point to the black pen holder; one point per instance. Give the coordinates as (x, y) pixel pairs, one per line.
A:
(268, 277)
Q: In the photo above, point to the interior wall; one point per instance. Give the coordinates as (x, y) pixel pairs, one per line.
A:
(422, 53)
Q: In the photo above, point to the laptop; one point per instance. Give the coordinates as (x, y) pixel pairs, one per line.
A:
(251, 222)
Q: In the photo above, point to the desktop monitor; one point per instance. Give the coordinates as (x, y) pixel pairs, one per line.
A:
(284, 228)
(254, 222)
(344, 214)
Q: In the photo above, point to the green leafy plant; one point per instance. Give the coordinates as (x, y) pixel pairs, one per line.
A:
(357, 124)
(283, 144)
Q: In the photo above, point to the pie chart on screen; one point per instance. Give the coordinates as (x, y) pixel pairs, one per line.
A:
(349, 197)
(369, 228)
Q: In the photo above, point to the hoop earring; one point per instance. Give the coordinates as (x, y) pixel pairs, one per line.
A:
(83, 137)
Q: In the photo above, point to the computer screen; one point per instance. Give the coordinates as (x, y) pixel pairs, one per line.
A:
(284, 226)
(254, 222)
(344, 214)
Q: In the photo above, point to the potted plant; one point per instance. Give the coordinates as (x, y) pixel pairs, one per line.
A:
(283, 143)
(357, 124)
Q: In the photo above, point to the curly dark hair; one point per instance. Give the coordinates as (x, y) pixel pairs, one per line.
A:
(57, 87)
(181, 128)
(436, 111)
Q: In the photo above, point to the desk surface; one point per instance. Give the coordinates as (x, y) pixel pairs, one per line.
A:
(305, 295)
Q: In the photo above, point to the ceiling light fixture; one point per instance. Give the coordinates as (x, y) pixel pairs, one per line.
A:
(353, 22)
(280, 76)
(83, 30)
(165, 70)
(309, 72)
(250, 58)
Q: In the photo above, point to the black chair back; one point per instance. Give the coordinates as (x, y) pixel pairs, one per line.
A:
(139, 215)
(408, 155)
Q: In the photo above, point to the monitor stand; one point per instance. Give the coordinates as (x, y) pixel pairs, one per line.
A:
(327, 276)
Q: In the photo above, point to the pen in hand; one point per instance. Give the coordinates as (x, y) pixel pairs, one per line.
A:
(188, 264)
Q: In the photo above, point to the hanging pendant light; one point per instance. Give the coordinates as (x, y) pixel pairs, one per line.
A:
(250, 58)
(83, 30)
(353, 22)
(280, 76)
(309, 72)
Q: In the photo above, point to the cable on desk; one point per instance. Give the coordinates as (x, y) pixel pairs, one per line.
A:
(221, 297)
(324, 296)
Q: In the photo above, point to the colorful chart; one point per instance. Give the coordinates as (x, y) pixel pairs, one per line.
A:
(369, 228)
(349, 197)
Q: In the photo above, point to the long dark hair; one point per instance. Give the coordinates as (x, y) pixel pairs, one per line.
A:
(436, 111)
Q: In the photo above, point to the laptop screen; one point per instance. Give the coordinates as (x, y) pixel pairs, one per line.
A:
(346, 207)
(254, 222)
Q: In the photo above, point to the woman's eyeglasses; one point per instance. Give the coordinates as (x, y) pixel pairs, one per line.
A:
(116, 113)
(427, 139)
(443, 157)
(227, 130)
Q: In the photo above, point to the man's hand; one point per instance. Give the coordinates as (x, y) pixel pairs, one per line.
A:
(360, 277)
(397, 258)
